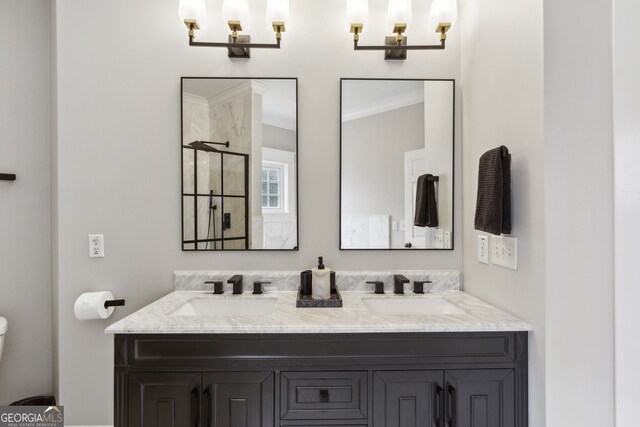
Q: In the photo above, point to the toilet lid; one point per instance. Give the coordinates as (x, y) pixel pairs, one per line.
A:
(3, 325)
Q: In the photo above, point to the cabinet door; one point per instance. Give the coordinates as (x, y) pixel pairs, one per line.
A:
(407, 398)
(164, 399)
(238, 399)
(480, 398)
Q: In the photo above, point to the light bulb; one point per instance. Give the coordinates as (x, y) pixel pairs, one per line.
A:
(193, 10)
(443, 11)
(357, 12)
(277, 11)
(399, 12)
(236, 10)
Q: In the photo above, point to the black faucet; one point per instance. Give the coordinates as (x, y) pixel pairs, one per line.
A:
(237, 284)
(217, 287)
(418, 286)
(379, 286)
(257, 286)
(398, 283)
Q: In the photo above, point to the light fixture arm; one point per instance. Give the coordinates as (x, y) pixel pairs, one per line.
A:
(396, 47)
(238, 45)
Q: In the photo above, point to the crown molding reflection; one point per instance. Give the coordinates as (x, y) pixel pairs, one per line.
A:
(381, 106)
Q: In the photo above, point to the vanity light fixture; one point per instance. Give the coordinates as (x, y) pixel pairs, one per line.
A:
(236, 14)
(399, 14)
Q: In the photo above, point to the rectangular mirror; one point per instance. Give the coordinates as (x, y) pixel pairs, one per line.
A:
(239, 164)
(396, 154)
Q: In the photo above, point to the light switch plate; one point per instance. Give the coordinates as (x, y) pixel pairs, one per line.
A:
(483, 249)
(438, 238)
(447, 240)
(394, 225)
(504, 252)
(96, 245)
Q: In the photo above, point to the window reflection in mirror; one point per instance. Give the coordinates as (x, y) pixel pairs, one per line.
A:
(396, 164)
(239, 164)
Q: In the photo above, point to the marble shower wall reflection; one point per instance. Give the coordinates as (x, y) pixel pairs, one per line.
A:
(227, 204)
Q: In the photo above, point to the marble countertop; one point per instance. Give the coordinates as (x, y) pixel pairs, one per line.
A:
(166, 316)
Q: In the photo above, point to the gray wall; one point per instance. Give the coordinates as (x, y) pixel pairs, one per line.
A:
(373, 163)
(553, 109)
(118, 108)
(627, 209)
(25, 222)
(278, 138)
(578, 171)
(503, 104)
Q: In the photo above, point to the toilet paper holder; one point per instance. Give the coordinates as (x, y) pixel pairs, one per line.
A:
(113, 303)
(97, 305)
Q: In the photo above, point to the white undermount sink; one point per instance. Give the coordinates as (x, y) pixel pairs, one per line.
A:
(411, 305)
(224, 306)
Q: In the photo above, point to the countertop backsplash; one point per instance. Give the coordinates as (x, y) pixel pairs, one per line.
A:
(194, 280)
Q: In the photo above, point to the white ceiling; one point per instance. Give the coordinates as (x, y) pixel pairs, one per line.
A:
(361, 98)
(278, 103)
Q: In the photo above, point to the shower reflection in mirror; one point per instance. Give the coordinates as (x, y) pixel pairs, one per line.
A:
(239, 164)
(396, 179)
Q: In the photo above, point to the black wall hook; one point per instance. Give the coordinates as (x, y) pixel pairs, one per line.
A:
(7, 176)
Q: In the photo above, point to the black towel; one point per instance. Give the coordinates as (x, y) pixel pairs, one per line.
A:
(493, 205)
(426, 214)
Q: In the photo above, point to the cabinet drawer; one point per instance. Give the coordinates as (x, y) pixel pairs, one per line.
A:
(323, 395)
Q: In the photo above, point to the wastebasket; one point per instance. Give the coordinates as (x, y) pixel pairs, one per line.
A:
(36, 401)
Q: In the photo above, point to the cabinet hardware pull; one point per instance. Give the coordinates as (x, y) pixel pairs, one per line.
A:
(452, 406)
(439, 402)
(195, 406)
(208, 404)
(324, 396)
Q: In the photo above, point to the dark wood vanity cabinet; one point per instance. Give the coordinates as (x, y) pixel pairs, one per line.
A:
(237, 399)
(407, 398)
(481, 397)
(164, 399)
(435, 398)
(322, 380)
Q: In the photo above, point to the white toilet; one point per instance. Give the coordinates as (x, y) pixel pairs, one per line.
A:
(3, 330)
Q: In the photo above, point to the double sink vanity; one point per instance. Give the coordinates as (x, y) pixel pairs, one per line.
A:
(442, 358)
(396, 349)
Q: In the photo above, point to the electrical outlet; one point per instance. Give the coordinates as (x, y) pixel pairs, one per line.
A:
(483, 249)
(402, 225)
(96, 245)
(504, 252)
(438, 238)
(447, 240)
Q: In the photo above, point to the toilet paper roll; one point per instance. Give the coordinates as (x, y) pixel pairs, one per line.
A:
(90, 305)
